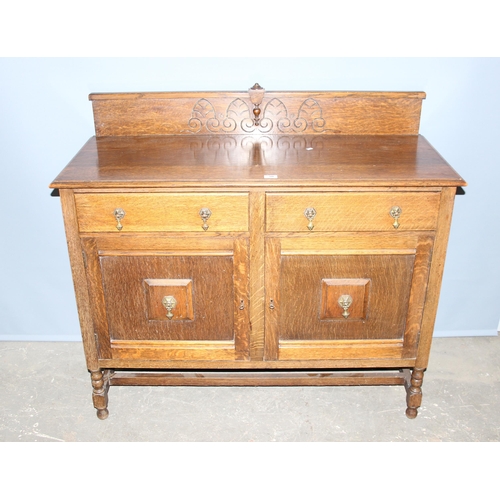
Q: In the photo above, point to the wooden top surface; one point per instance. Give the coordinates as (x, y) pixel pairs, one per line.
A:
(246, 160)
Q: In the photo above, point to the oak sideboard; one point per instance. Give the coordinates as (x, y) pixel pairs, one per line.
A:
(257, 238)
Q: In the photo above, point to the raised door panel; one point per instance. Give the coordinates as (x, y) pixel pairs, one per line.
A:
(177, 303)
(374, 291)
(330, 299)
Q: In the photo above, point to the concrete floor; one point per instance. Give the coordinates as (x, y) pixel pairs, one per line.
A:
(45, 395)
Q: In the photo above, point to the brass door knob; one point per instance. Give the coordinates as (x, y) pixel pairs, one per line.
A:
(345, 302)
(169, 303)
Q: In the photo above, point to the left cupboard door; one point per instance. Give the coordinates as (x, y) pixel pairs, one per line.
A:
(161, 298)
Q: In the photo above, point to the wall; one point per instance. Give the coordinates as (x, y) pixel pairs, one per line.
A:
(46, 118)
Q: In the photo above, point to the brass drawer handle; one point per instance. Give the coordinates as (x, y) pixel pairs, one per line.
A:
(345, 302)
(119, 214)
(395, 214)
(205, 214)
(309, 214)
(169, 303)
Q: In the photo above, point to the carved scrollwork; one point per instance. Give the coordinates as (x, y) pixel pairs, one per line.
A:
(275, 118)
(234, 112)
(311, 114)
(204, 115)
(275, 114)
(240, 112)
(202, 111)
(247, 125)
(238, 109)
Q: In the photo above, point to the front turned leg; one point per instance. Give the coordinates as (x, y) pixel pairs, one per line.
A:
(100, 385)
(414, 392)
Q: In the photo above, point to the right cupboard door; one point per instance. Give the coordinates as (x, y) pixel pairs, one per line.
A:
(346, 295)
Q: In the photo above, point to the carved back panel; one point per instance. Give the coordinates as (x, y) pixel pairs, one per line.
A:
(192, 113)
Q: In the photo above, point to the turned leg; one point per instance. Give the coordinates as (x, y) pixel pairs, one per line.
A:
(100, 385)
(414, 392)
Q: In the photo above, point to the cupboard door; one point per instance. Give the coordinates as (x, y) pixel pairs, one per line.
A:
(349, 296)
(189, 302)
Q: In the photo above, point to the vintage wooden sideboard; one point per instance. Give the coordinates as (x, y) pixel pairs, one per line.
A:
(257, 238)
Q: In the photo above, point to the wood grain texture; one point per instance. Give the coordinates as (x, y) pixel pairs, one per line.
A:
(418, 293)
(83, 300)
(272, 298)
(159, 361)
(100, 387)
(414, 392)
(294, 161)
(164, 244)
(241, 284)
(166, 113)
(127, 285)
(168, 351)
(257, 291)
(300, 303)
(257, 270)
(333, 288)
(213, 297)
(435, 277)
(317, 350)
(162, 212)
(182, 291)
(338, 243)
(97, 297)
(249, 378)
(303, 289)
(351, 211)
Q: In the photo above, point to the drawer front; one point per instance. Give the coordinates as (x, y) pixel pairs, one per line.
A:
(143, 212)
(370, 211)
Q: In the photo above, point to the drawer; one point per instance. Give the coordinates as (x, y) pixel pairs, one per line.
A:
(367, 211)
(144, 212)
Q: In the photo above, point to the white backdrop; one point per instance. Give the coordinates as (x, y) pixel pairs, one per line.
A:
(45, 117)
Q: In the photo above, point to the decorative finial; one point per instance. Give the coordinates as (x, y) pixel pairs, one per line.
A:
(256, 95)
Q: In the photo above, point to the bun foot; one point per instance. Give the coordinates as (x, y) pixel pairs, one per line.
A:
(102, 414)
(411, 412)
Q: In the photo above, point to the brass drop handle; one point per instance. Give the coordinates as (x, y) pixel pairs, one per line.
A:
(119, 214)
(309, 214)
(345, 302)
(205, 214)
(169, 303)
(395, 214)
